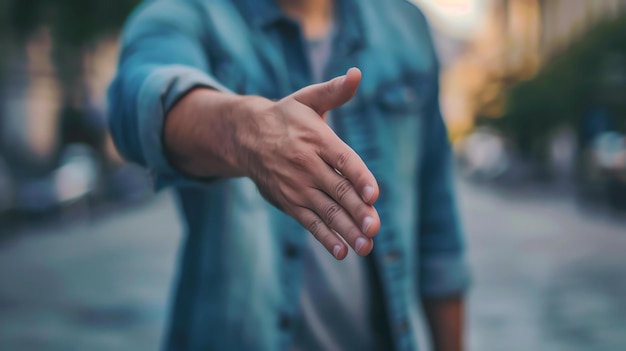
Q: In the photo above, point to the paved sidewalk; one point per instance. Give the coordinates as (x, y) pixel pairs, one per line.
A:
(546, 277)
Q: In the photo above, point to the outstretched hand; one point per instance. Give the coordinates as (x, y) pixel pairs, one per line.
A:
(302, 167)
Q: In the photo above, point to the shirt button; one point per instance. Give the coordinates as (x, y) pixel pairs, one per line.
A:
(285, 322)
(291, 251)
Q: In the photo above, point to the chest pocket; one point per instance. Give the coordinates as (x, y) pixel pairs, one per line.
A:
(401, 105)
(403, 98)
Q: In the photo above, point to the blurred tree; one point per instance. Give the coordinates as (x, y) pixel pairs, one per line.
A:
(566, 88)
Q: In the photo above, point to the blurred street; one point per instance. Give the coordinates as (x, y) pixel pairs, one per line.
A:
(93, 286)
(547, 276)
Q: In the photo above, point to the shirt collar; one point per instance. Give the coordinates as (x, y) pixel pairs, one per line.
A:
(353, 34)
(260, 13)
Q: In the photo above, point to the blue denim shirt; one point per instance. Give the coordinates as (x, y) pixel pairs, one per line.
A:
(240, 274)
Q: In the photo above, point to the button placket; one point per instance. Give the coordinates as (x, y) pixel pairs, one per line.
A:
(291, 251)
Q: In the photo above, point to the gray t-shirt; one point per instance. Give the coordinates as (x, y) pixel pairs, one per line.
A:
(336, 298)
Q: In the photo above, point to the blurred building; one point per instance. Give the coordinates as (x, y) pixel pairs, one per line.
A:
(500, 43)
(32, 96)
(503, 42)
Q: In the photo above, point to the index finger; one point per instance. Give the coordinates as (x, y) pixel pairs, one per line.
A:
(345, 160)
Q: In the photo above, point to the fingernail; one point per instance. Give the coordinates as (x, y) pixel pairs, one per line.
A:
(367, 222)
(336, 251)
(360, 242)
(368, 192)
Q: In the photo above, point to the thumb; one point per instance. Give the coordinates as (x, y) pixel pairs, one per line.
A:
(329, 95)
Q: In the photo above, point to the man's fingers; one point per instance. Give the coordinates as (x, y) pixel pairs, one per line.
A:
(329, 95)
(341, 157)
(329, 239)
(339, 220)
(343, 192)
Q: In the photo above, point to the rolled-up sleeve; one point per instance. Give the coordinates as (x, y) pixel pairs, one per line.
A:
(443, 269)
(162, 59)
(442, 266)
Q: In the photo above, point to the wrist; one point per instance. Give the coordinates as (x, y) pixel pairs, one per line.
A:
(249, 124)
(199, 133)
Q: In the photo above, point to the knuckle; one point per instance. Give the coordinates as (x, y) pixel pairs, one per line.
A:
(342, 160)
(330, 88)
(315, 226)
(313, 136)
(342, 189)
(302, 160)
(331, 212)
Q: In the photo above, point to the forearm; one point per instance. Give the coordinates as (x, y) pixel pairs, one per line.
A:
(446, 322)
(200, 133)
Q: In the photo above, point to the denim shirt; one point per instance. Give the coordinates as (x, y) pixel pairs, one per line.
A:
(240, 271)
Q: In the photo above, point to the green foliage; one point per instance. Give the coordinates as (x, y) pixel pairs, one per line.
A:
(72, 21)
(564, 89)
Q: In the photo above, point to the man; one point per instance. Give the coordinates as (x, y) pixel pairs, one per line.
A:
(217, 98)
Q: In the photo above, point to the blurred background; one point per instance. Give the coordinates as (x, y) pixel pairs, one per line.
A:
(534, 93)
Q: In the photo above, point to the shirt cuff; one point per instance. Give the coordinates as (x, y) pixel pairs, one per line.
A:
(158, 94)
(443, 275)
